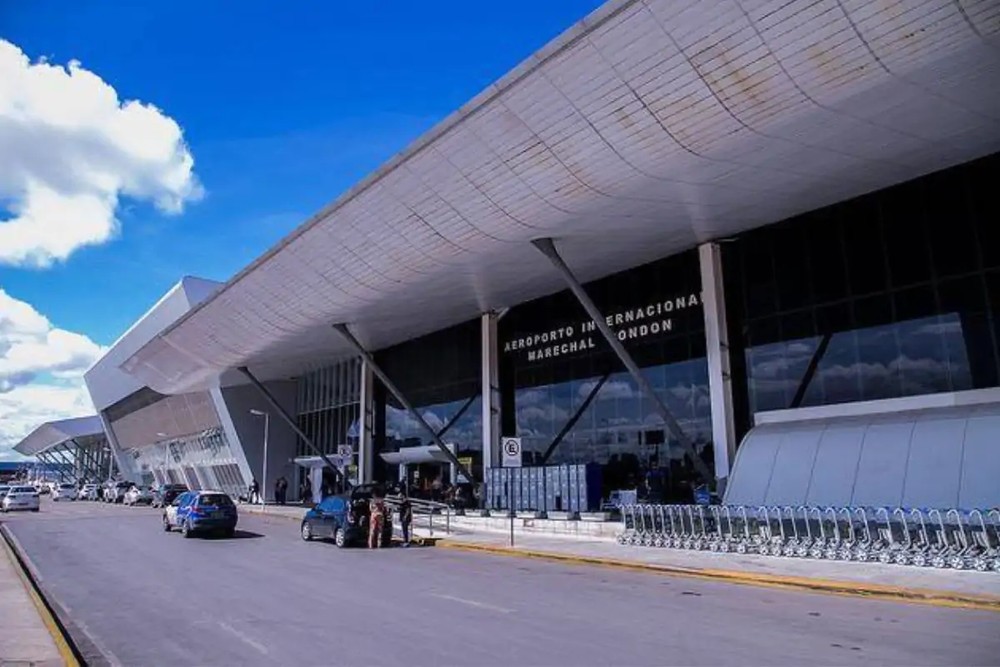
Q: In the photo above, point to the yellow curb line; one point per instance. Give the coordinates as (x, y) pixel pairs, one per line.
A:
(65, 652)
(853, 589)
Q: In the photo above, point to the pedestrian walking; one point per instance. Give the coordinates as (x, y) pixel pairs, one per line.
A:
(405, 517)
(254, 491)
(306, 491)
(281, 490)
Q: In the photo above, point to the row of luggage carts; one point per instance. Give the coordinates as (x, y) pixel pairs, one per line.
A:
(959, 539)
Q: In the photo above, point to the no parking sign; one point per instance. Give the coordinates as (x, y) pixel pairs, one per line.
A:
(511, 449)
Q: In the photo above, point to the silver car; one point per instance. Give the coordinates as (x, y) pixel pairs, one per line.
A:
(22, 498)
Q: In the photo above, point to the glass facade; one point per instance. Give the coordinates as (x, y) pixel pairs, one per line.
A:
(893, 294)
(440, 375)
(176, 439)
(556, 367)
(329, 406)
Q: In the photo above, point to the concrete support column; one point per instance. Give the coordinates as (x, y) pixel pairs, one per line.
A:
(124, 462)
(366, 443)
(490, 370)
(719, 374)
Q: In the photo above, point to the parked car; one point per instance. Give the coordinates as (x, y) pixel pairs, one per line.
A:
(165, 494)
(22, 498)
(115, 493)
(196, 512)
(88, 492)
(344, 518)
(65, 491)
(4, 488)
(138, 495)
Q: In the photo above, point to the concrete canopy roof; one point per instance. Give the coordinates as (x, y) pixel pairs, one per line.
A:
(645, 129)
(53, 434)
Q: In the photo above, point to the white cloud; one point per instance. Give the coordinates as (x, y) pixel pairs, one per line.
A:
(71, 149)
(41, 371)
(28, 406)
(30, 347)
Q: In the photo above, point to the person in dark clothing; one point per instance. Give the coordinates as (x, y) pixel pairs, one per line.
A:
(405, 518)
(254, 491)
(306, 491)
(280, 489)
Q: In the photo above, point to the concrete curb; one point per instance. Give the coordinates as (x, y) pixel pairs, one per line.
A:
(48, 618)
(814, 585)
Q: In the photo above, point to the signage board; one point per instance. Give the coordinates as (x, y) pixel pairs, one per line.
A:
(467, 462)
(510, 449)
(345, 451)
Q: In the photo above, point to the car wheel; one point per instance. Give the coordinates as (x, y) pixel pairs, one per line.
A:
(340, 539)
(306, 531)
(166, 523)
(186, 529)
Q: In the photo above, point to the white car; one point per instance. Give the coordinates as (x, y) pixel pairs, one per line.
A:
(64, 492)
(21, 498)
(4, 488)
(138, 495)
(88, 492)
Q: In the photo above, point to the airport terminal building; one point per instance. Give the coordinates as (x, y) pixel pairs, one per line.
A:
(679, 237)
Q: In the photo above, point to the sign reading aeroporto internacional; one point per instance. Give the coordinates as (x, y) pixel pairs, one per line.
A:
(629, 324)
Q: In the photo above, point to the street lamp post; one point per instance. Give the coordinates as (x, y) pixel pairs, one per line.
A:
(267, 427)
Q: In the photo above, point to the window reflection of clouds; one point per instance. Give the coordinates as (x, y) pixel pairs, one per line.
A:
(919, 356)
(403, 430)
(617, 420)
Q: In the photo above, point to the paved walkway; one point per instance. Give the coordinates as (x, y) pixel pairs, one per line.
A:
(24, 637)
(749, 568)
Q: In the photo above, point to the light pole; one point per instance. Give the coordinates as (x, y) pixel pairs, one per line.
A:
(267, 427)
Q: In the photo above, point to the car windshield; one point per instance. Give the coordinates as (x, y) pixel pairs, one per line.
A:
(66, 487)
(214, 500)
(23, 489)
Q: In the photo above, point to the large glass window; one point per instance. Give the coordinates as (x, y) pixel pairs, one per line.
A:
(439, 374)
(569, 399)
(329, 406)
(892, 294)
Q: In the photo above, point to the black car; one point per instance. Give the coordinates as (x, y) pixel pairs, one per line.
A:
(344, 518)
(165, 494)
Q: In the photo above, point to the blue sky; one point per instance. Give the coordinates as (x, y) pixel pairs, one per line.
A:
(283, 105)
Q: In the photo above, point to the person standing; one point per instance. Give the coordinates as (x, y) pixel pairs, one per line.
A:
(254, 491)
(306, 491)
(376, 522)
(405, 517)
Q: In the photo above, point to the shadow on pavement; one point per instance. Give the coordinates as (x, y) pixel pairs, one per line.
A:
(238, 535)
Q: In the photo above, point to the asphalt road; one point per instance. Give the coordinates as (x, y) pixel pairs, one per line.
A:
(146, 597)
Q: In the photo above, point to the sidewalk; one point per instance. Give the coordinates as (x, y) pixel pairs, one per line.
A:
(25, 638)
(942, 587)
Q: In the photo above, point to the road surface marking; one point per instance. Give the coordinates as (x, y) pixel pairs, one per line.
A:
(257, 645)
(473, 603)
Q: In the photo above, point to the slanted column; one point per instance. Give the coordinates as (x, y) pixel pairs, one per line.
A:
(720, 384)
(366, 419)
(490, 371)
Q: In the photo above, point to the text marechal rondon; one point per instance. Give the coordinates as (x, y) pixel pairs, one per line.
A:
(630, 324)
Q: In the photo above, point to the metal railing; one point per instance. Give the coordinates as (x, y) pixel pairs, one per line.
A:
(941, 538)
(424, 508)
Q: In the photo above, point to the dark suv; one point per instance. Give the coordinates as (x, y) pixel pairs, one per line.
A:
(344, 518)
(165, 494)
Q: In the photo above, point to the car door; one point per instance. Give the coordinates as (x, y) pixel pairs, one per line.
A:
(331, 515)
(179, 509)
